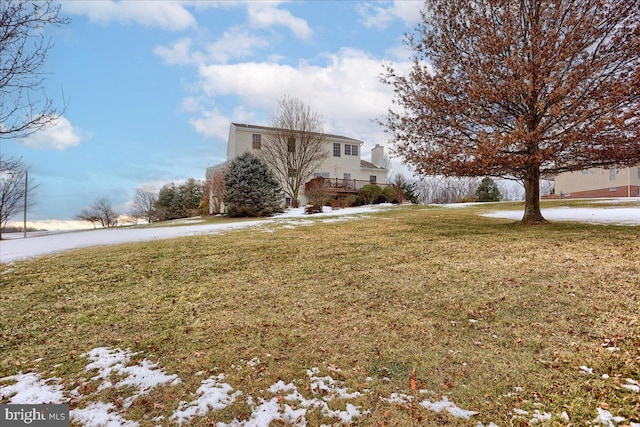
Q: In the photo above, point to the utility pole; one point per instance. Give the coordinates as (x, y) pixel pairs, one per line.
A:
(26, 187)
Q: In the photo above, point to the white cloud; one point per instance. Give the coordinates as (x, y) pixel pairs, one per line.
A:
(169, 15)
(211, 124)
(234, 43)
(346, 90)
(376, 16)
(267, 14)
(179, 53)
(59, 136)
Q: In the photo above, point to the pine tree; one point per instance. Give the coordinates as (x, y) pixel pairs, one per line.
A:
(488, 191)
(251, 188)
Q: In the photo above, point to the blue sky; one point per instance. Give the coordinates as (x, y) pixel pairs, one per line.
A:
(151, 86)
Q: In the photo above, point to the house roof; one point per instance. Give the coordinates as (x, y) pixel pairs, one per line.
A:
(267, 128)
(368, 165)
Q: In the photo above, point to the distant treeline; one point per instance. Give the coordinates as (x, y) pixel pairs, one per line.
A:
(14, 229)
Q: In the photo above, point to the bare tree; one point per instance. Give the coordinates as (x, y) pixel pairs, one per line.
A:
(295, 146)
(13, 185)
(518, 89)
(441, 189)
(144, 203)
(24, 105)
(100, 212)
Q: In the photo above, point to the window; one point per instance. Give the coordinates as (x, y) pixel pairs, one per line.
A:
(321, 174)
(347, 176)
(291, 145)
(293, 172)
(347, 149)
(336, 149)
(257, 141)
(638, 173)
(354, 150)
(372, 179)
(612, 174)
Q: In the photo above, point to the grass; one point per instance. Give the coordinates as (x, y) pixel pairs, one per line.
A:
(388, 297)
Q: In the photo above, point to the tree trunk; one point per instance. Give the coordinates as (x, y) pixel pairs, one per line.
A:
(532, 214)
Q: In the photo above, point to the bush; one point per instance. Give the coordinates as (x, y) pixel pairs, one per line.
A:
(369, 193)
(251, 188)
(389, 195)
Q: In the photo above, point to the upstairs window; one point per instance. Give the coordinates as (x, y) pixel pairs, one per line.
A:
(291, 145)
(257, 141)
(372, 179)
(612, 174)
(347, 149)
(336, 149)
(354, 150)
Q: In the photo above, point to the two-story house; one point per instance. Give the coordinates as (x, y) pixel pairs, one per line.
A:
(598, 182)
(343, 169)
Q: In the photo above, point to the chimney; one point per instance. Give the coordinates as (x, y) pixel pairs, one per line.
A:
(377, 156)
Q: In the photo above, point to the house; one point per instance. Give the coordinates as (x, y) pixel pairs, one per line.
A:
(342, 172)
(591, 183)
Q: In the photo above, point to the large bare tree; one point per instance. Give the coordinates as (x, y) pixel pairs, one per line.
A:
(295, 146)
(24, 105)
(100, 212)
(520, 88)
(13, 186)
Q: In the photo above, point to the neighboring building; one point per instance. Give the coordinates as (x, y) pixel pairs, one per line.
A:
(613, 182)
(343, 171)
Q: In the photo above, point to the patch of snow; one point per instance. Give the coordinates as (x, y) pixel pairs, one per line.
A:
(539, 417)
(399, 398)
(607, 419)
(615, 216)
(99, 414)
(144, 376)
(30, 388)
(446, 405)
(213, 395)
(586, 370)
(632, 385)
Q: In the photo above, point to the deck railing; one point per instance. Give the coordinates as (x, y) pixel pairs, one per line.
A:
(346, 185)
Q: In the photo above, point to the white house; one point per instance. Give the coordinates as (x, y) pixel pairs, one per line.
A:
(343, 170)
(598, 182)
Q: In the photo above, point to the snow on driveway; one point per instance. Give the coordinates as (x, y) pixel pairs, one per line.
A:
(18, 249)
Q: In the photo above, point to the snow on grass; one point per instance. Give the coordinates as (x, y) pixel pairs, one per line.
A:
(213, 395)
(144, 377)
(30, 388)
(613, 216)
(286, 403)
(99, 414)
(445, 405)
(18, 249)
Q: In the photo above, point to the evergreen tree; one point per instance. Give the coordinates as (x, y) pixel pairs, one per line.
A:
(251, 188)
(179, 201)
(488, 191)
(408, 188)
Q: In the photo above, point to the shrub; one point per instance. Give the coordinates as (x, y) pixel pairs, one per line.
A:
(369, 193)
(389, 195)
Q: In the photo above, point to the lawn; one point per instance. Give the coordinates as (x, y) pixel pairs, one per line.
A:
(410, 316)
